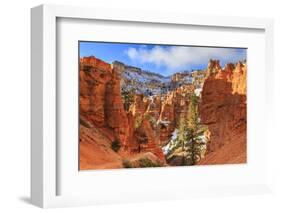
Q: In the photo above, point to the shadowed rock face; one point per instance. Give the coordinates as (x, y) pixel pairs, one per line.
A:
(223, 108)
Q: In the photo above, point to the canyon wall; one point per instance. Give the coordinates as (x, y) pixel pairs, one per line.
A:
(163, 111)
(223, 109)
(104, 120)
(100, 99)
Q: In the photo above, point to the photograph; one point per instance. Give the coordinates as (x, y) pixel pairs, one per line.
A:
(161, 105)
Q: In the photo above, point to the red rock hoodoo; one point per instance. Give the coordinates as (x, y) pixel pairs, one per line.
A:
(223, 109)
(103, 119)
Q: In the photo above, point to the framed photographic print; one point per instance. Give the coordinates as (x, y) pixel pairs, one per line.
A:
(149, 106)
(190, 110)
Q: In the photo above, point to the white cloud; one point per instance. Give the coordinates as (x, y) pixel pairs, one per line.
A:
(179, 57)
(132, 53)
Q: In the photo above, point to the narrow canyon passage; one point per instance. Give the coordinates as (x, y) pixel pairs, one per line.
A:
(134, 118)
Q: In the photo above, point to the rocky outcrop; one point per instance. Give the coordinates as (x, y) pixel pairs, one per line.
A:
(147, 140)
(163, 111)
(103, 118)
(115, 115)
(94, 77)
(174, 106)
(223, 110)
(198, 78)
(181, 78)
(143, 82)
(100, 99)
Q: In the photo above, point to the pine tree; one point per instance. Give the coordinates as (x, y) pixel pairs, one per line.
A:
(182, 132)
(192, 113)
(192, 126)
(190, 132)
(194, 130)
(127, 97)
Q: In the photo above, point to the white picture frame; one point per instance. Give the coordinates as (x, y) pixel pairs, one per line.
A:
(44, 153)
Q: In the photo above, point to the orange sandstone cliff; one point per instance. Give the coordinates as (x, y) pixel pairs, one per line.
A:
(104, 120)
(223, 109)
(164, 111)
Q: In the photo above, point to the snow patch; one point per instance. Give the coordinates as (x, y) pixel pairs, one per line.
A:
(198, 91)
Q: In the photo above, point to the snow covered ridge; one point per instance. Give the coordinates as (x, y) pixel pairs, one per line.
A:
(144, 76)
(150, 83)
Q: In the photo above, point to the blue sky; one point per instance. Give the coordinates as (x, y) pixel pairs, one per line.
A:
(162, 59)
